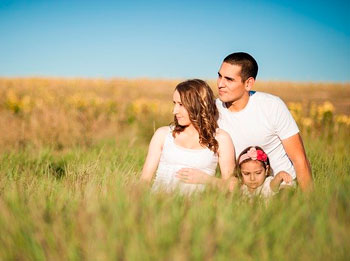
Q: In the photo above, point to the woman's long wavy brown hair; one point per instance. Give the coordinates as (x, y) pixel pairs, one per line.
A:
(199, 101)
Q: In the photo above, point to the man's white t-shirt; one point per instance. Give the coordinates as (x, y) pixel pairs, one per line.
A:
(264, 122)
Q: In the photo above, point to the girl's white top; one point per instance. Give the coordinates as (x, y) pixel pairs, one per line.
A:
(263, 191)
(174, 158)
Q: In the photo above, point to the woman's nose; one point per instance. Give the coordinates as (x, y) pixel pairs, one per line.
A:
(175, 109)
(252, 177)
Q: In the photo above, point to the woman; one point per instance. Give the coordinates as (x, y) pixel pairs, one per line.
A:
(193, 141)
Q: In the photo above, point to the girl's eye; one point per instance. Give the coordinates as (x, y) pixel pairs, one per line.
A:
(245, 174)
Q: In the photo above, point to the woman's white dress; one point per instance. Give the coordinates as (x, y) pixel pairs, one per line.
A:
(175, 157)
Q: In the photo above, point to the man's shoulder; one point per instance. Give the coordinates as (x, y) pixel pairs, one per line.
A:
(266, 100)
(263, 96)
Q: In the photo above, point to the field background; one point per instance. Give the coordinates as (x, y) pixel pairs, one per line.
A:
(71, 152)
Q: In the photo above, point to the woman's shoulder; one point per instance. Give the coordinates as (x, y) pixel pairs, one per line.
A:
(162, 131)
(225, 142)
(160, 135)
(222, 135)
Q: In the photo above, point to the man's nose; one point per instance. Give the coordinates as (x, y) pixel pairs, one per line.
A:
(220, 82)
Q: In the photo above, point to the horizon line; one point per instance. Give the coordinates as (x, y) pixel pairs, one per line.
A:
(161, 79)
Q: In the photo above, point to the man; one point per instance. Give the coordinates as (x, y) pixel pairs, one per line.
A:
(258, 119)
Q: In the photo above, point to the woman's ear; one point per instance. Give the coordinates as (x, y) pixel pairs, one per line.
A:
(267, 170)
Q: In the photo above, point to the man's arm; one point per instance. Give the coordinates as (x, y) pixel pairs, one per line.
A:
(295, 150)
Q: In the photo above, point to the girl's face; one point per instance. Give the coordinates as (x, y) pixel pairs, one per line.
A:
(253, 174)
(180, 111)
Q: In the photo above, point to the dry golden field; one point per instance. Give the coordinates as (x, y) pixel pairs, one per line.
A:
(66, 112)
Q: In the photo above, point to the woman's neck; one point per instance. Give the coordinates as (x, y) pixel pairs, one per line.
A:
(188, 138)
(190, 130)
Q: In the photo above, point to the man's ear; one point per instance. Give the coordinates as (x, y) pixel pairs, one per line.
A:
(249, 83)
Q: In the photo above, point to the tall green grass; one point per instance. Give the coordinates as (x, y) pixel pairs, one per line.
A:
(86, 204)
(71, 152)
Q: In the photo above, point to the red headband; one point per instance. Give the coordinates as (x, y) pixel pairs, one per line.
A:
(253, 154)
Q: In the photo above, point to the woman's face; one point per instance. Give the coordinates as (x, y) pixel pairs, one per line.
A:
(253, 174)
(180, 111)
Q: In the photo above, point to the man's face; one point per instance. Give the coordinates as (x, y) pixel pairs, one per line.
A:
(230, 85)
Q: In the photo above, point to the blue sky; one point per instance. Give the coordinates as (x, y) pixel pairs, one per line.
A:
(291, 40)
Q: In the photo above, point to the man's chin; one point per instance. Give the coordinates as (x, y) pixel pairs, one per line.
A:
(222, 98)
(225, 99)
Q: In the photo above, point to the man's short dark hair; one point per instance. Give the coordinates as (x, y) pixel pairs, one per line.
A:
(246, 61)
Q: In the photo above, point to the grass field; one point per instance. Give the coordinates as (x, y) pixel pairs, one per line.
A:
(71, 152)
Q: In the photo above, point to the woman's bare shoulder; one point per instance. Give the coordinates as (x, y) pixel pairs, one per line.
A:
(161, 132)
(159, 137)
(222, 135)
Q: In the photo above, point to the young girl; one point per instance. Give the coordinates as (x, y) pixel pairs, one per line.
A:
(253, 170)
(193, 141)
